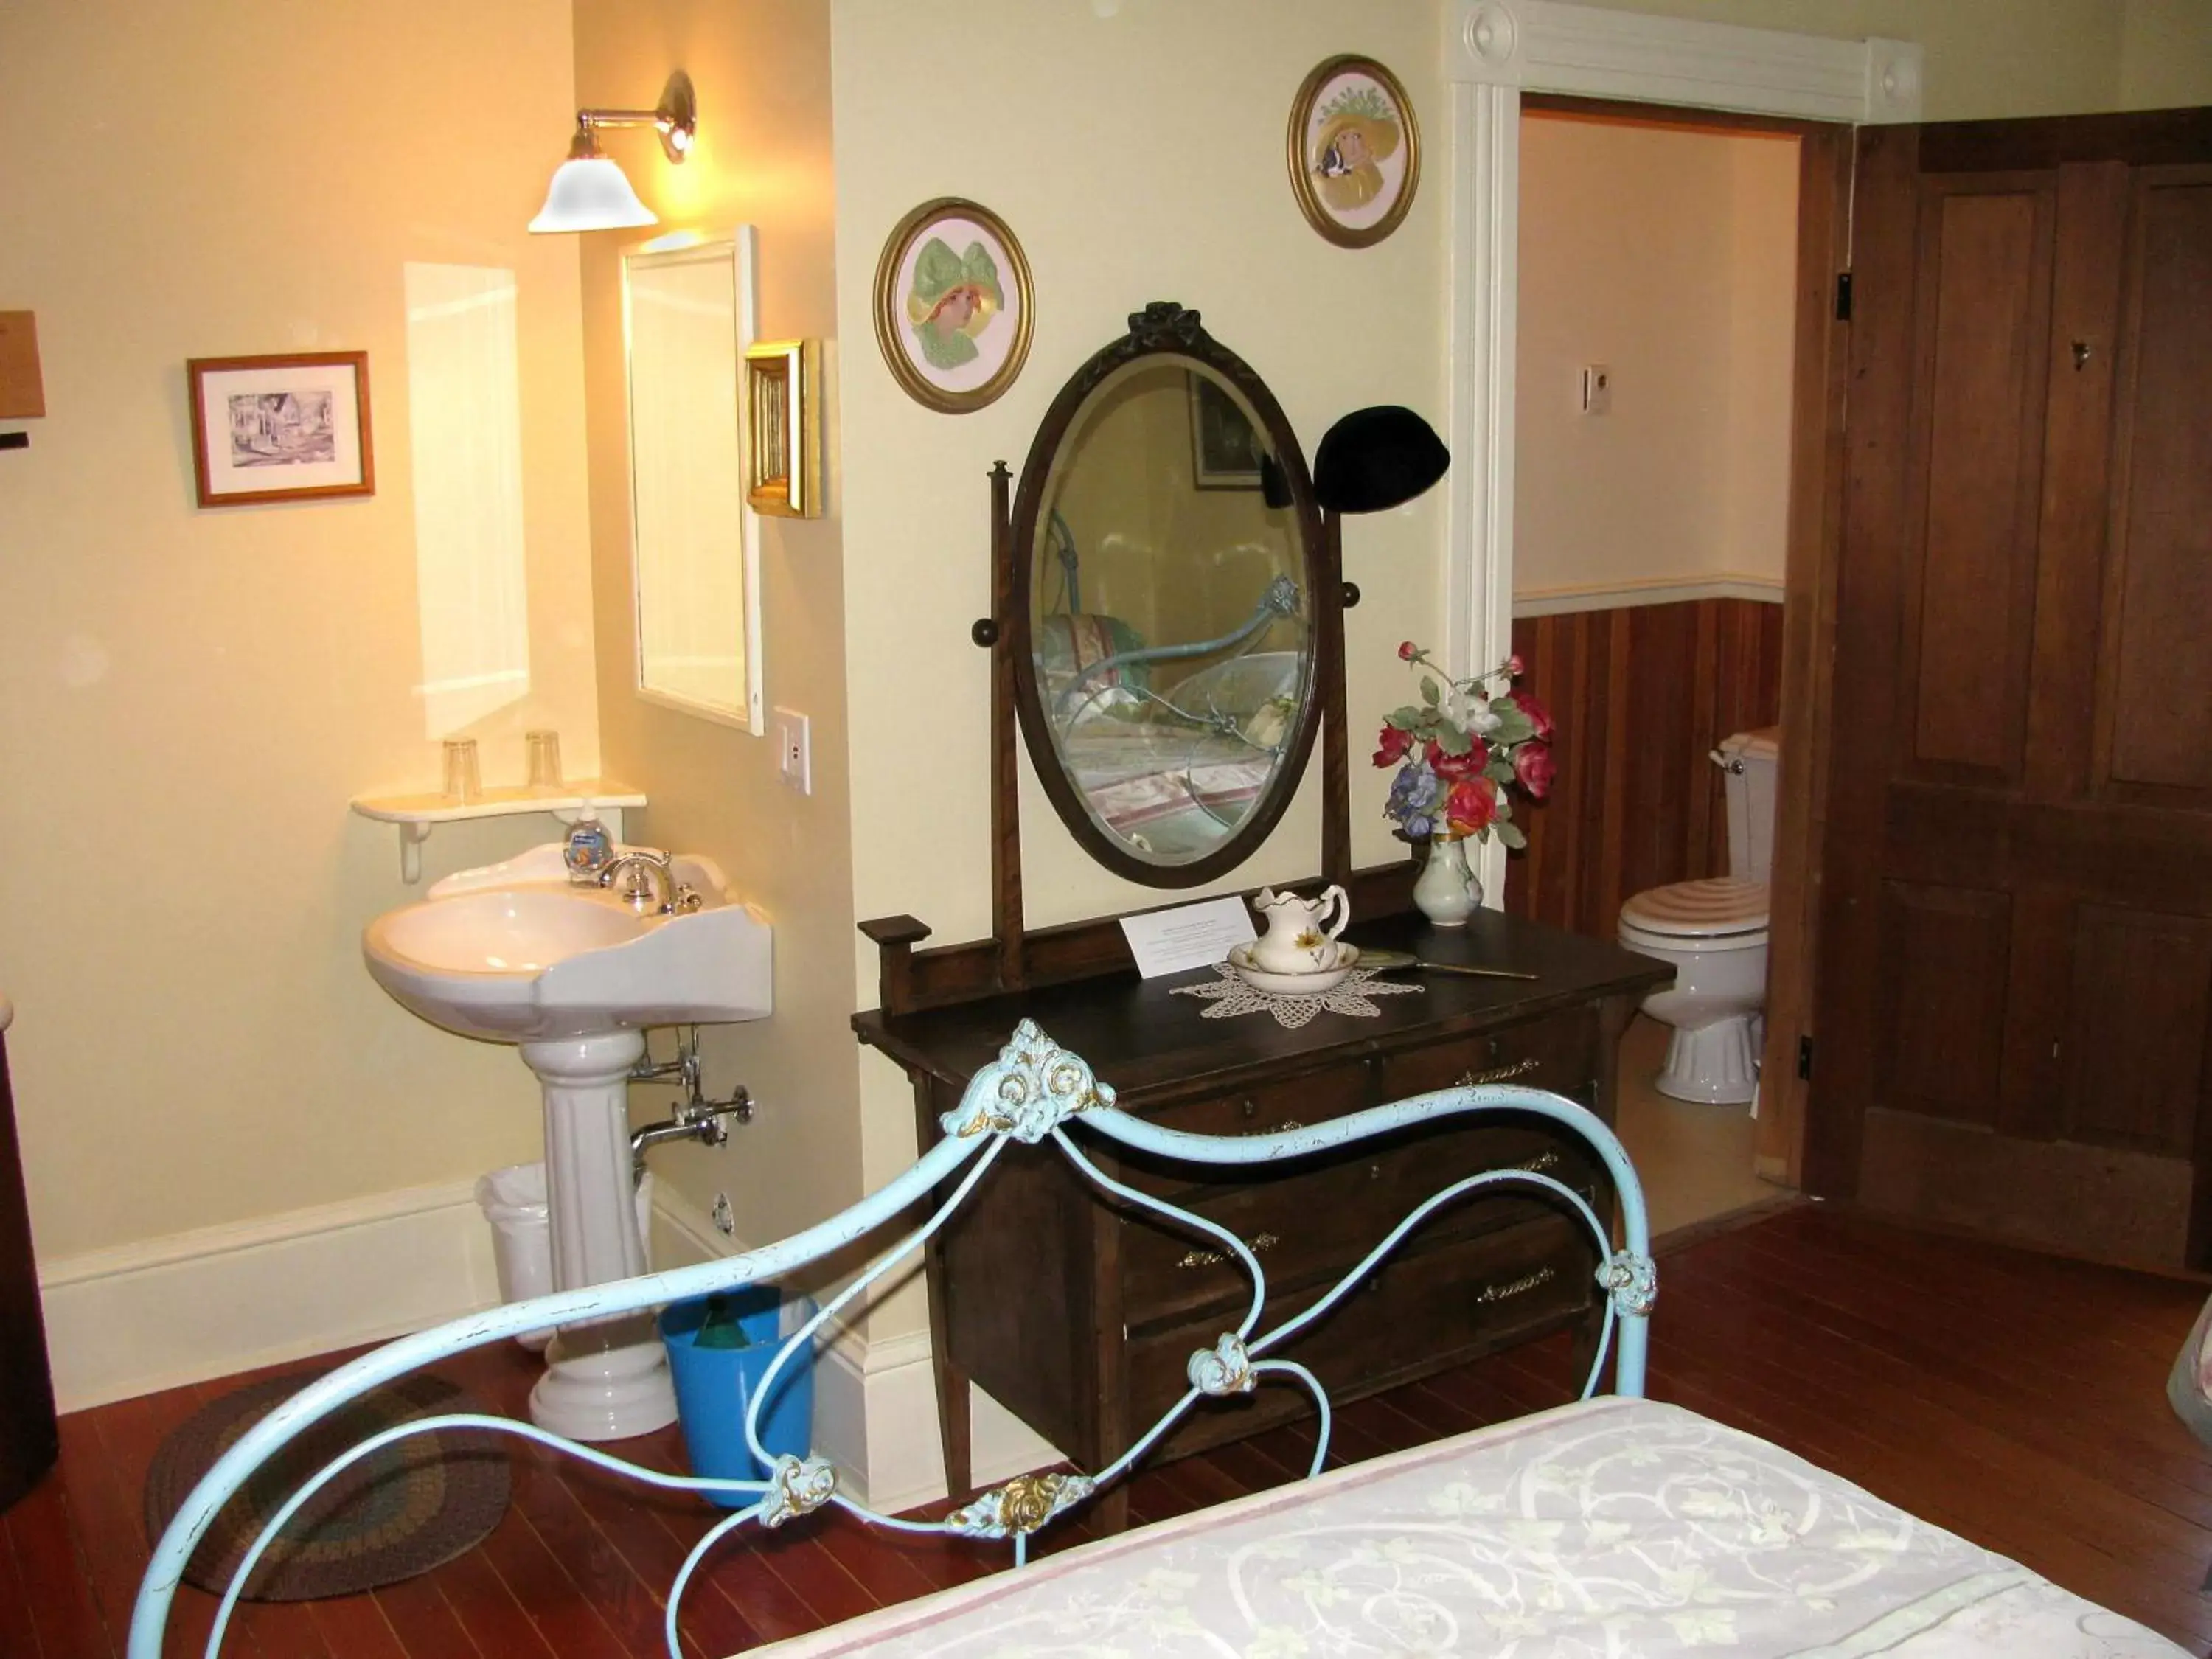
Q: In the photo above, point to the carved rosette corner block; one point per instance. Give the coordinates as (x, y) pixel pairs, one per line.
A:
(1632, 1282)
(1023, 1505)
(1033, 1087)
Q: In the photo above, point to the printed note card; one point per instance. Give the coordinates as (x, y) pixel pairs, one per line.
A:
(1189, 936)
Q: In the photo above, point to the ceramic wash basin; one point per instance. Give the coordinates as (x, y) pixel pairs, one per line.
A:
(513, 953)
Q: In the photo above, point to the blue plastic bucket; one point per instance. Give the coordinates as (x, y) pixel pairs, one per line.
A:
(715, 1385)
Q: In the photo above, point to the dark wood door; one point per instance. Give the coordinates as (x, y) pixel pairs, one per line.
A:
(2016, 979)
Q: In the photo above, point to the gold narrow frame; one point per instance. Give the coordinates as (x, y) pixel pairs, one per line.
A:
(1302, 185)
(196, 369)
(783, 395)
(911, 380)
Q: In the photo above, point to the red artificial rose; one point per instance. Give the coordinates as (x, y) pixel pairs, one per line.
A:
(1540, 716)
(1395, 745)
(1532, 764)
(1407, 650)
(1515, 667)
(1473, 805)
(1454, 768)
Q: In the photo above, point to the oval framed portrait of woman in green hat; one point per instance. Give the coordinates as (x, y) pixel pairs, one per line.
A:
(1354, 151)
(953, 305)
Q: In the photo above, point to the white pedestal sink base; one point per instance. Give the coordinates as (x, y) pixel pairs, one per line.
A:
(607, 1381)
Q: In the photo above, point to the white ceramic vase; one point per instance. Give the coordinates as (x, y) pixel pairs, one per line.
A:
(1447, 891)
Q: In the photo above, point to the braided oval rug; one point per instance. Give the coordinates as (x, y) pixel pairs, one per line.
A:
(410, 1507)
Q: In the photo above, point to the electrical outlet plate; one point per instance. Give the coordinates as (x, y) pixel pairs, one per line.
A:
(794, 750)
(1597, 390)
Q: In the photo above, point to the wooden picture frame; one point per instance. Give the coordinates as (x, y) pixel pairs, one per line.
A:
(783, 421)
(954, 306)
(1354, 150)
(1225, 452)
(292, 427)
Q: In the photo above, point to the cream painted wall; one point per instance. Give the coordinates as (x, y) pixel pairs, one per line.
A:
(1667, 255)
(187, 697)
(1136, 149)
(761, 70)
(2166, 54)
(1984, 58)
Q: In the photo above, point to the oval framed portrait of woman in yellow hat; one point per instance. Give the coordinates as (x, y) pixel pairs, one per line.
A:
(1354, 151)
(953, 305)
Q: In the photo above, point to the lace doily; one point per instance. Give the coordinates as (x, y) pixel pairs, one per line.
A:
(1231, 996)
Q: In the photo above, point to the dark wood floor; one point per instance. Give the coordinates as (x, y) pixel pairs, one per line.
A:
(2014, 1399)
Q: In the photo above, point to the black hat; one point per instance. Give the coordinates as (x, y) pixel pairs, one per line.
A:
(1376, 458)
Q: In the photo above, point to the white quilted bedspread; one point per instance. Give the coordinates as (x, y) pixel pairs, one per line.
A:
(1607, 1531)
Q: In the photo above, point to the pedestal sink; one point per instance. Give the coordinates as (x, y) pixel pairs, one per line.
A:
(513, 953)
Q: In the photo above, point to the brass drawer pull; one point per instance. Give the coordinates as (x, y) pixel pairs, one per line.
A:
(1471, 1078)
(1513, 1288)
(1214, 1258)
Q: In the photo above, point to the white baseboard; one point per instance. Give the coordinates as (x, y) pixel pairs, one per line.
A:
(220, 1300)
(1660, 590)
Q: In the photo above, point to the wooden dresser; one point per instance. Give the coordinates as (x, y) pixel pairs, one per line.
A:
(1080, 1315)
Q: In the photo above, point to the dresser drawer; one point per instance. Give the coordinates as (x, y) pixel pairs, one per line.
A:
(1559, 1052)
(1417, 1314)
(1319, 1221)
(1332, 1092)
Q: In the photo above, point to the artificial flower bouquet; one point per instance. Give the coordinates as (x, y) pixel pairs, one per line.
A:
(1461, 748)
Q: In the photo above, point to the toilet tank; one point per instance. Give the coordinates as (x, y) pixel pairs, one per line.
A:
(1752, 763)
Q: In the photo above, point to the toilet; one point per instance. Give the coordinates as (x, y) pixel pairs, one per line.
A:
(1714, 933)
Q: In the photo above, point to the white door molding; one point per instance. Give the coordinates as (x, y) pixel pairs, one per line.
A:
(1495, 50)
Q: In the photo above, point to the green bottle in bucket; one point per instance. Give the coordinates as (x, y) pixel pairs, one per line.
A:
(719, 1348)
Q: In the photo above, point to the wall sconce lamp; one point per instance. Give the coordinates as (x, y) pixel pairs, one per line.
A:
(589, 192)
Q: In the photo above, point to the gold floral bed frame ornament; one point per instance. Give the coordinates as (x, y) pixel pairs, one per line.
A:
(954, 304)
(1354, 149)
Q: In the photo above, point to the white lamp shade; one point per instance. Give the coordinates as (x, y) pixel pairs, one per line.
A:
(590, 193)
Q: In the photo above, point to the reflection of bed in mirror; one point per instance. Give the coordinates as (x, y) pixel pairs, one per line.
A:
(1170, 745)
(1170, 643)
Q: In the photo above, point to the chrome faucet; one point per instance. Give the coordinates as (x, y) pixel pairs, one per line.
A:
(642, 868)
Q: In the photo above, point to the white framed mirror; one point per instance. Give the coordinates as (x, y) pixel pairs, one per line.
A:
(688, 315)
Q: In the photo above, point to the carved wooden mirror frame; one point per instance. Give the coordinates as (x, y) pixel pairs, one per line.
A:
(1161, 332)
(1015, 958)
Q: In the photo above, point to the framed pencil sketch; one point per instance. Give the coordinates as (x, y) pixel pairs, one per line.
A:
(783, 420)
(1355, 151)
(281, 428)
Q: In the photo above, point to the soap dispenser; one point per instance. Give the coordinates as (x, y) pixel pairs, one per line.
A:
(589, 848)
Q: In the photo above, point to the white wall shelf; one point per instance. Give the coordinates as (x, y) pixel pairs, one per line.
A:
(417, 814)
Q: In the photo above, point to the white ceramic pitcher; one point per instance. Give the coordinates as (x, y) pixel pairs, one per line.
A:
(1296, 941)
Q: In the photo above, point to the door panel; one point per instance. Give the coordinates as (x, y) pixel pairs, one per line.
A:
(2015, 986)
(2161, 667)
(2142, 991)
(1947, 948)
(1984, 308)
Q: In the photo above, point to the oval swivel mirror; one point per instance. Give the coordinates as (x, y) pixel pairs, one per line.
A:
(1165, 549)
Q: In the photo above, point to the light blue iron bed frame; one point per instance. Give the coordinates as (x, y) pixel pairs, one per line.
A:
(1029, 1094)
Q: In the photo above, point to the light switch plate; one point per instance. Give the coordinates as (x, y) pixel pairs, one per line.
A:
(1597, 390)
(795, 757)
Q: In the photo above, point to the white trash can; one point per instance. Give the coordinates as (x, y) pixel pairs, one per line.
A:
(513, 1200)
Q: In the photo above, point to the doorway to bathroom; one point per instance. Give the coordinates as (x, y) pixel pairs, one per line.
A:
(1672, 425)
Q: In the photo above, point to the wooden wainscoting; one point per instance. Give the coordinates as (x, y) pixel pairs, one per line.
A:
(1641, 694)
